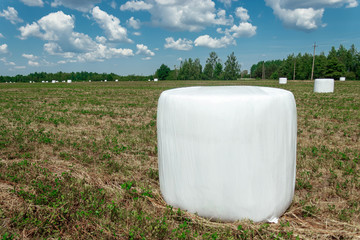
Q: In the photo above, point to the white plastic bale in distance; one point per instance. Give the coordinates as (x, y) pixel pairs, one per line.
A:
(228, 152)
(342, 79)
(324, 85)
(282, 80)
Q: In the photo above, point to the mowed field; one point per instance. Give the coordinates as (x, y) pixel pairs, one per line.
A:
(79, 161)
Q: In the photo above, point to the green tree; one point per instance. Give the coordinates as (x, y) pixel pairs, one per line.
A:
(208, 71)
(190, 70)
(218, 72)
(163, 72)
(334, 68)
(320, 66)
(211, 62)
(232, 68)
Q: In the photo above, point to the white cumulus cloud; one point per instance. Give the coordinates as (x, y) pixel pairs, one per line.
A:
(29, 56)
(6, 62)
(111, 25)
(3, 48)
(244, 29)
(1, 36)
(80, 5)
(56, 25)
(103, 52)
(101, 39)
(180, 44)
(29, 30)
(11, 14)
(144, 50)
(58, 30)
(227, 2)
(134, 23)
(135, 6)
(316, 4)
(305, 15)
(33, 3)
(207, 41)
(181, 15)
(242, 13)
(33, 63)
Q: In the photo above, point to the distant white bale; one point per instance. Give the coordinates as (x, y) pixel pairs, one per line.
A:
(324, 85)
(30, 82)
(116, 80)
(69, 81)
(220, 159)
(282, 80)
(342, 79)
(53, 81)
(155, 79)
(42, 81)
(148, 80)
(63, 81)
(89, 80)
(105, 80)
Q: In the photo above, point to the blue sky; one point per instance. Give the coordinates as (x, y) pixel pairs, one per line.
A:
(137, 36)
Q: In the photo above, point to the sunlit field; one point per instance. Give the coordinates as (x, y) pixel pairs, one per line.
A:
(79, 161)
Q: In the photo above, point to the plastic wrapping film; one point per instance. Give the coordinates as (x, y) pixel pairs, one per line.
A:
(324, 85)
(229, 152)
(282, 80)
(342, 79)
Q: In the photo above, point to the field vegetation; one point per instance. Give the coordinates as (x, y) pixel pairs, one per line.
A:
(79, 161)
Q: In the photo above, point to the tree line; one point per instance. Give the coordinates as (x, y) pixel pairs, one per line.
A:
(338, 63)
(192, 69)
(74, 76)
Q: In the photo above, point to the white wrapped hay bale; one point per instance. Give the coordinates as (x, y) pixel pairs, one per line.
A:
(155, 79)
(324, 85)
(282, 80)
(228, 153)
(342, 79)
(116, 80)
(69, 81)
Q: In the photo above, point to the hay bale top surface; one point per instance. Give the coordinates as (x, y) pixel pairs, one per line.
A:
(226, 92)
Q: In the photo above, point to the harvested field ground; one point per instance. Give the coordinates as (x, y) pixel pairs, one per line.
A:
(79, 161)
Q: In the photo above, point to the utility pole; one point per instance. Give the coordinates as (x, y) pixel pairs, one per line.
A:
(312, 71)
(294, 68)
(263, 71)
